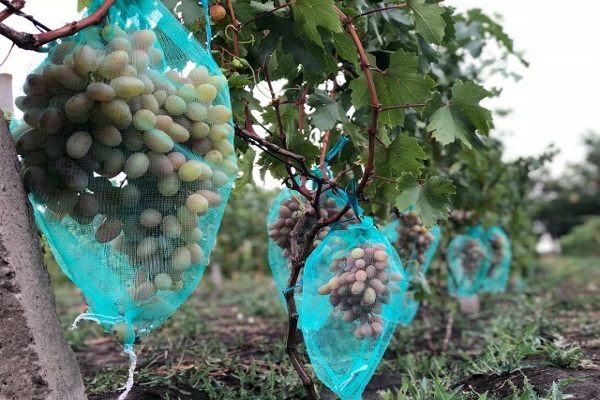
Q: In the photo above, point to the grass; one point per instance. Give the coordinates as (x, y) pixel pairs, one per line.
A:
(229, 344)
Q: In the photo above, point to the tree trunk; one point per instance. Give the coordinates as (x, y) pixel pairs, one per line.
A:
(36, 360)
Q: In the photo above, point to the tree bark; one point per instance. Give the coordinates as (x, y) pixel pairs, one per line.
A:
(36, 360)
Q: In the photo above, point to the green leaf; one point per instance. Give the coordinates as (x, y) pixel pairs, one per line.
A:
(429, 20)
(315, 61)
(82, 4)
(170, 4)
(245, 166)
(310, 13)
(399, 85)
(327, 111)
(430, 199)
(461, 116)
(403, 155)
(345, 47)
(190, 11)
(283, 66)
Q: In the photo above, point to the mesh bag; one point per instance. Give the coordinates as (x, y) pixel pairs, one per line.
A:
(496, 279)
(469, 259)
(287, 208)
(354, 287)
(127, 150)
(416, 246)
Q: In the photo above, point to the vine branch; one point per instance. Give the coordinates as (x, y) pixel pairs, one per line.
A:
(11, 8)
(29, 41)
(375, 10)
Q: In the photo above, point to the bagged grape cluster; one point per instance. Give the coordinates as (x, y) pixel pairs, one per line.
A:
(496, 279)
(126, 146)
(354, 286)
(469, 259)
(415, 241)
(285, 213)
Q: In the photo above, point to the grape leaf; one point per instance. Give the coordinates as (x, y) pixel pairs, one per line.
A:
(461, 116)
(82, 4)
(310, 13)
(327, 111)
(170, 4)
(430, 199)
(429, 20)
(403, 155)
(245, 167)
(190, 11)
(315, 61)
(345, 47)
(398, 85)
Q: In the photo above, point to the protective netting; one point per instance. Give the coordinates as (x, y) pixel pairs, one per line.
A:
(469, 259)
(496, 279)
(416, 246)
(283, 217)
(354, 287)
(127, 150)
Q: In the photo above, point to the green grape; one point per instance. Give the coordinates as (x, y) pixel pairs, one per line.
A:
(100, 91)
(199, 130)
(69, 78)
(143, 39)
(160, 96)
(194, 170)
(136, 165)
(198, 75)
(206, 93)
(163, 281)
(219, 178)
(218, 81)
(196, 253)
(175, 105)
(224, 147)
(111, 31)
(149, 102)
(219, 132)
(181, 259)
(79, 119)
(126, 87)
(113, 165)
(158, 141)
(197, 203)
(119, 43)
(163, 122)
(144, 120)
(229, 167)
(32, 117)
(150, 218)
(191, 235)
(218, 114)
(109, 230)
(147, 247)
(213, 198)
(187, 92)
(140, 60)
(60, 52)
(178, 133)
(169, 185)
(187, 218)
(118, 111)
(171, 227)
(155, 55)
(148, 84)
(133, 140)
(85, 60)
(201, 146)
(145, 291)
(78, 144)
(196, 111)
(78, 104)
(113, 64)
(130, 195)
(213, 156)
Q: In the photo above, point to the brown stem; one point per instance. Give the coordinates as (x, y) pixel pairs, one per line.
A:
(377, 10)
(382, 109)
(267, 13)
(427, 323)
(301, 108)
(15, 5)
(448, 333)
(33, 42)
(236, 27)
(297, 263)
(375, 104)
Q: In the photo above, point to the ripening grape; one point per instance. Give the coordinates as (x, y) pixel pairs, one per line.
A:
(158, 141)
(149, 102)
(181, 259)
(119, 43)
(78, 144)
(214, 157)
(160, 165)
(69, 78)
(78, 104)
(171, 227)
(108, 135)
(144, 120)
(187, 92)
(100, 91)
(163, 281)
(198, 75)
(187, 218)
(196, 111)
(178, 133)
(218, 114)
(143, 39)
(150, 218)
(206, 93)
(175, 105)
(196, 253)
(114, 162)
(197, 203)
(136, 165)
(414, 240)
(109, 230)
(113, 64)
(169, 185)
(126, 87)
(118, 111)
(193, 235)
(85, 60)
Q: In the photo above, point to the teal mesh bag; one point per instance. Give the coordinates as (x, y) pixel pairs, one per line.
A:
(416, 246)
(126, 147)
(285, 212)
(469, 258)
(354, 286)
(496, 279)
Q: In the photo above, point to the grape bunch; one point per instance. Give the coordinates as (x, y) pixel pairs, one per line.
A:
(414, 240)
(471, 256)
(108, 137)
(497, 245)
(290, 211)
(362, 283)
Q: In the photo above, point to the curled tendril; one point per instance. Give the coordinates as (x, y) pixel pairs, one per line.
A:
(251, 41)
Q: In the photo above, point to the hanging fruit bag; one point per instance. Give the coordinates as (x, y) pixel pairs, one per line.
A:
(469, 258)
(496, 279)
(126, 147)
(354, 287)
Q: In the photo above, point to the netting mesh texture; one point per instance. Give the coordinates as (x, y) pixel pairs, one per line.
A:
(469, 258)
(496, 279)
(283, 217)
(127, 150)
(354, 286)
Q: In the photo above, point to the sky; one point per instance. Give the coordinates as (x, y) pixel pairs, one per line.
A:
(555, 102)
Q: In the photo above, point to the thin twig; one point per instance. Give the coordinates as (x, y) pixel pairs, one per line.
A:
(424, 315)
(375, 10)
(10, 10)
(382, 109)
(259, 16)
(15, 10)
(448, 333)
(33, 42)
